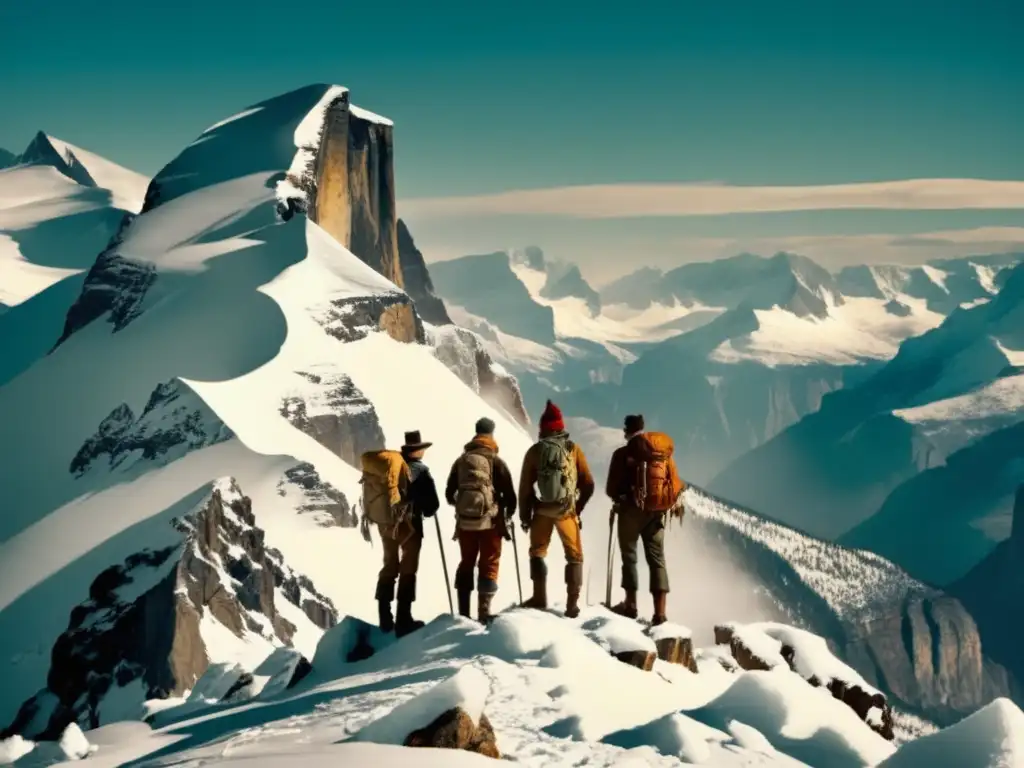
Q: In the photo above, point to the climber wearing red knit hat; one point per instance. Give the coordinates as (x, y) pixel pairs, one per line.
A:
(554, 487)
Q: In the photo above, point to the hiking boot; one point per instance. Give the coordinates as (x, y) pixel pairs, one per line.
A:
(384, 618)
(660, 598)
(573, 587)
(539, 601)
(483, 607)
(627, 607)
(464, 595)
(572, 603)
(404, 622)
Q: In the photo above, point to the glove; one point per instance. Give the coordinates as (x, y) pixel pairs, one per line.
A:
(526, 519)
(579, 522)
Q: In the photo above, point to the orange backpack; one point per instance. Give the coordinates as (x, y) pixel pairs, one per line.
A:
(651, 481)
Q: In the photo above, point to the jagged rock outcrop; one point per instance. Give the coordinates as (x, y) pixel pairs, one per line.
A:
(327, 504)
(351, 319)
(41, 151)
(115, 284)
(418, 283)
(219, 570)
(455, 729)
(335, 413)
(174, 421)
(465, 355)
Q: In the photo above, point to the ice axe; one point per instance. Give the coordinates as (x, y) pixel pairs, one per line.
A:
(611, 558)
(444, 566)
(515, 556)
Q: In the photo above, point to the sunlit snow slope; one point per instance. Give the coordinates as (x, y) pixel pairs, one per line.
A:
(253, 323)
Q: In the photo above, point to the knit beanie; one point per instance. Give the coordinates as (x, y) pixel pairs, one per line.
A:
(485, 426)
(551, 419)
(633, 423)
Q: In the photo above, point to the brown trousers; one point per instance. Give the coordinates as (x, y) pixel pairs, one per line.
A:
(480, 550)
(401, 561)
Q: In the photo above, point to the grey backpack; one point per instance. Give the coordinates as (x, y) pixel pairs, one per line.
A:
(475, 505)
(556, 476)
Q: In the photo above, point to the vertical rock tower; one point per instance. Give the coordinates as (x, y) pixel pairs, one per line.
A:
(355, 186)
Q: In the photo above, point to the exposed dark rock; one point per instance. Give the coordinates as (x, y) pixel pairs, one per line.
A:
(861, 701)
(336, 414)
(142, 619)
(418, 283)
(463, 352)
(640, 659)
(455, 729)
(319, 497)
(745, 657)
(41, 151)
(677, 650)
(356, 318)
(114, 284)
(897, 308)
(174, 422)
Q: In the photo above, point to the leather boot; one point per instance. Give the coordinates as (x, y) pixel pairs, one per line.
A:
(404, 622)
(464, 596)
(627, 607)
(573, 587)
(483, 607)
(660, 616)
(385, 594)
(384, 618)
(539, 576)
(540, 595)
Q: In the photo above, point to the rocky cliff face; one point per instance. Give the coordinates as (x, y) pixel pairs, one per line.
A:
(334, 412)
(114, 286)
(929, 654)
(464, 354)
(354, 186)
(994, 593)
(916, 644)
(146, 628)
(418, 284)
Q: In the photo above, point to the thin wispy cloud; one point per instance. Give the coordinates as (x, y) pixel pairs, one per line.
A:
(621, 201)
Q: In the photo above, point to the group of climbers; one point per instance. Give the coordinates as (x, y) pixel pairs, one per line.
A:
(555, 486)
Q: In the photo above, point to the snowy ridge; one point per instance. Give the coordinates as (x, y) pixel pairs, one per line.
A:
(853, 582)
(535, 689)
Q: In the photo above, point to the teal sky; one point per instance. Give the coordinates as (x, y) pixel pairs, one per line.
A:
(489, 98)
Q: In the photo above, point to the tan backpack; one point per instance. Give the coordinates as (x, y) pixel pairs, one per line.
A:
(385, 482)
(475, 503)
(653, 489)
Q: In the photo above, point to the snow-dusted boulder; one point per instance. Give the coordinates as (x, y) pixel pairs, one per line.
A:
(674, 644)
(351, 640)
(450, 715)
(768, 646)
(993, 737)
(624, 639)
(463, 351)
(218, 585)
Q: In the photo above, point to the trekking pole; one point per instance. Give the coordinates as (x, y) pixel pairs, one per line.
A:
(444, 566)
(515, 554)
(611, 558)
